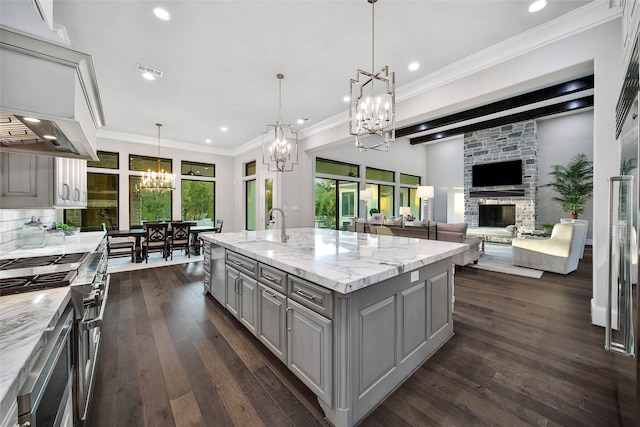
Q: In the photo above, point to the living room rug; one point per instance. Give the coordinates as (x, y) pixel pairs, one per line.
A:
(117, 265)
(497, 257)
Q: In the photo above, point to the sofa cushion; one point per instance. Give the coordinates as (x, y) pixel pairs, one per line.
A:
(450, 236)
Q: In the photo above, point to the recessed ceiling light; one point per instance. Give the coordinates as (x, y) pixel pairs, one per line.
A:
(414, 66)
(537, 5)
(161, 14)
(208, 141)
(224, 128)
(31, 119)
(346, 99)
(301, 120)
(148, 76)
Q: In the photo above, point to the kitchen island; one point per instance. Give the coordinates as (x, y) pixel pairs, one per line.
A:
(351, 314)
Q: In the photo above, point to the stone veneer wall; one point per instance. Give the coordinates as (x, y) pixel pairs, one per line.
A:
(502, 143)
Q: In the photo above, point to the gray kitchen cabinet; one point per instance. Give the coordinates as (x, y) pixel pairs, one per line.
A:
(28, 181)
(309, 349)
(242, 298)
(272, 327)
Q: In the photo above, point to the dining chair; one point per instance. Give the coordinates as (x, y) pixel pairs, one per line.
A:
(120, 246)
(219, 223)
(179, 237)
(155, 239)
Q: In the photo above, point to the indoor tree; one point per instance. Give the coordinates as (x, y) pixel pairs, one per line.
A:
(573, 183)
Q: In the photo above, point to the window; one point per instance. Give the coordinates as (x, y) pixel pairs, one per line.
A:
(198, 169)
(408, 195)
(374, 174)
(198, 200)
(143, 163)
(332, 167)
(251, 205)
(102, 204)
(335, 202)
(250, 168)
(107, 160)
(147, 205)
(382, 199)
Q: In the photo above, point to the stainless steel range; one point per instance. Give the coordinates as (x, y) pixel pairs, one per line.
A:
(86, 274)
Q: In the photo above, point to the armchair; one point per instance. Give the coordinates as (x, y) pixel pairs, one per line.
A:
(558, 254)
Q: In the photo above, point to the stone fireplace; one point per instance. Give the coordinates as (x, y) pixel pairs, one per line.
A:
(496, 215)
(503, 143)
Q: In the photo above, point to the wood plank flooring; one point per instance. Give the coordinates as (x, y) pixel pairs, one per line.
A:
(524, 353)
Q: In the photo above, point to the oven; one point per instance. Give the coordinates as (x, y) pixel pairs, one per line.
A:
(88, 281)
(45, 399)
(93, 300)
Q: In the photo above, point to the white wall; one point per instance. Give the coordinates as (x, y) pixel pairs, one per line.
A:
(224, 209)
(445, 168)
(559, 140)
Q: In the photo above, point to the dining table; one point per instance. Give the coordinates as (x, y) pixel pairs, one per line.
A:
(139, 233)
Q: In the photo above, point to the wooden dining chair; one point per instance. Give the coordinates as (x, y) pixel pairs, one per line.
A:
(219, 223)
(179, 237)
(156, 239)
(120, 246)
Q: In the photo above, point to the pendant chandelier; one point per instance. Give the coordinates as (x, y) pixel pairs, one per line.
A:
(373, 103)
(159, 180)
(282, 153)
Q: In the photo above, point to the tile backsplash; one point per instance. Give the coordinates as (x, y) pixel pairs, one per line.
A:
(12, 220)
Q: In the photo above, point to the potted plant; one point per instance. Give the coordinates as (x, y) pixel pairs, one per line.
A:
(547, 227)
(573, 183)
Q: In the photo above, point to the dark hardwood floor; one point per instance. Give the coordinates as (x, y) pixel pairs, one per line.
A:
(524, 353)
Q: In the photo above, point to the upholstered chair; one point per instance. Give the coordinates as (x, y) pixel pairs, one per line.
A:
(558, 254)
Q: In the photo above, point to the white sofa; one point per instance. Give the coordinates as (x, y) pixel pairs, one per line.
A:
(558, 254)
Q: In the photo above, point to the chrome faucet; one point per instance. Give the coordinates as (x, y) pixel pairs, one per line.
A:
(283, 235)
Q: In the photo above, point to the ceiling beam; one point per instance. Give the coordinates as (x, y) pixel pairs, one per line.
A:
(548, 110)
(545, 94)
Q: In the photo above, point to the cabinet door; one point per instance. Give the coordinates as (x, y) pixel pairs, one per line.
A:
(25, 181)
(272, 327)
(309, 349)
(232, 280)
(248, 299)
(62, 196)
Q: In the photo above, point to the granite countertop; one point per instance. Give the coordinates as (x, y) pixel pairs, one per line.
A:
(24, 319)
(343, 261)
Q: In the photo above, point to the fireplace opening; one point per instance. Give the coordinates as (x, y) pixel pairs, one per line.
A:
(496, 215)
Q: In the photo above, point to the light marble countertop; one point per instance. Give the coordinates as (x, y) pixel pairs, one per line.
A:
(83, 242)
(24, 318)
(343, 261)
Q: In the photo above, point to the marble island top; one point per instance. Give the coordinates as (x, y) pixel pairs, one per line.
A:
(343, 261)
(24, 319)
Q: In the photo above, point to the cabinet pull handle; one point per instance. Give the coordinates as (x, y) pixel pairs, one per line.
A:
(306, 295)
(77, 199)
(270, 278)
(66, 193)
(268, 293)
(235, 285)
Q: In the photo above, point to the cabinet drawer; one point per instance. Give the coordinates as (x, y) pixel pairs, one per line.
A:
(272, 277)
(312, 296)
(247, 265)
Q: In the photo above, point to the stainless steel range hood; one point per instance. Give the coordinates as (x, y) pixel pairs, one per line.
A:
(54, 84)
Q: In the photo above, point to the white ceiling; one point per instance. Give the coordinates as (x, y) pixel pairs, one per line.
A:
(220, 58)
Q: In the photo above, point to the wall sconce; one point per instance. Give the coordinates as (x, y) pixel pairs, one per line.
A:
(426, 192)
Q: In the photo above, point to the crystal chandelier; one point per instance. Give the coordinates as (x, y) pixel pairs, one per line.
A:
(160, 180)
(373, 103)
(282, 153)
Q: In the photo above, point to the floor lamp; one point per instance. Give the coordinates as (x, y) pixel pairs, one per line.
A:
(425, 192)
(365, 195)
